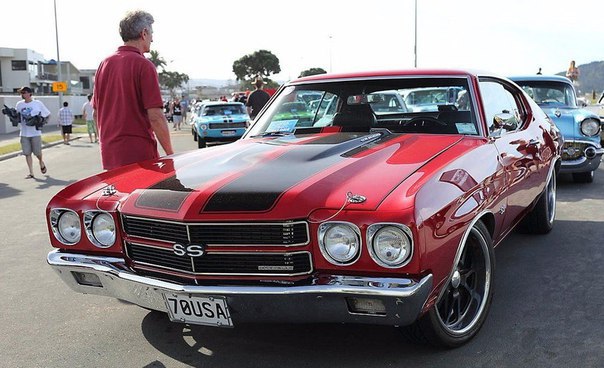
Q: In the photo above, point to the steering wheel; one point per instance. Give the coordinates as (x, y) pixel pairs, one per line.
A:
(424, 121)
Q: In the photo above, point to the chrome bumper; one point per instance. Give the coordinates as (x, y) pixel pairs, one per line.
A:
(323, 299)
(583, 164)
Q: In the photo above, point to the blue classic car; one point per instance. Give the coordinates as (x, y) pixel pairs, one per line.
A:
(219, 122)
(582, 151)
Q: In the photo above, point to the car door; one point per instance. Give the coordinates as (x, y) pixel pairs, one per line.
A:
(519, 141)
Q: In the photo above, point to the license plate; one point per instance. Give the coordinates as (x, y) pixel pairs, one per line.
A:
(228, 133)
(198, 310)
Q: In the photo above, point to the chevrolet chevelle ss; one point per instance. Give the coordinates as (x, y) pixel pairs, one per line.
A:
(344, 214)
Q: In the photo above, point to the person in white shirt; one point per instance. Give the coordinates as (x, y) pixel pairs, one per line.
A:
(33, 115)
(66, 121)
(88, 115)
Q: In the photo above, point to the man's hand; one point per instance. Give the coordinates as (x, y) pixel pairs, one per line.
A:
(159, 124)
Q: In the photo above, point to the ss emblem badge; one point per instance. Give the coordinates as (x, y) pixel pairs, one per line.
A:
(191, 250)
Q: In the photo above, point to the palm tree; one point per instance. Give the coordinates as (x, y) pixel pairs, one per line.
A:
(158, 61)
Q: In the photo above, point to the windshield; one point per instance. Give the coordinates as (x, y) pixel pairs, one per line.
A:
(226, 109)
(361, 105)
(550, 93)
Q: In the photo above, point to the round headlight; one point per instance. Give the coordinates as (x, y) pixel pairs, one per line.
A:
(590, 127)
(103, 229)
(203, 127)
(69, 228)
(340, 243)
(391, 246)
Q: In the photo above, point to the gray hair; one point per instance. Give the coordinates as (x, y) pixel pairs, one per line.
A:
(133, 23)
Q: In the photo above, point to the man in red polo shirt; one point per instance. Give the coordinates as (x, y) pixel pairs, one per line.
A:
(127, 100)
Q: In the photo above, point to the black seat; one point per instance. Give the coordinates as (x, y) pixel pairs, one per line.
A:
(355, 118)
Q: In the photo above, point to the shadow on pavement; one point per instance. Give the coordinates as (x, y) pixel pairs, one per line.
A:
(7, 191)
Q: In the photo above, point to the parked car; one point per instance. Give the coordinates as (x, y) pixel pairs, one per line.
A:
(377, 219)
(582, 151)
(429, 98)
(219, 122)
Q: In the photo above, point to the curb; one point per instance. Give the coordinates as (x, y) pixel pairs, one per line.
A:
(47, 145)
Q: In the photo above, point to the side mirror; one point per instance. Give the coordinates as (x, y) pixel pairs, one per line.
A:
(505, 121)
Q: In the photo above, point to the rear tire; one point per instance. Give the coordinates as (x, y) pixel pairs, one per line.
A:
(464, 303)
(583, 177)
(541, 218)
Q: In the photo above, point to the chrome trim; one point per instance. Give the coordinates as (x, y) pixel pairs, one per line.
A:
(321, 233)
(374, 228)
(189, 224)
(156, 266)
(89, 217)
(459, 250)
(53, 219)
(322, 298)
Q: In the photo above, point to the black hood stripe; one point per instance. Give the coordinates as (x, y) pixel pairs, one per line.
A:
(259, 188)
(169, 194)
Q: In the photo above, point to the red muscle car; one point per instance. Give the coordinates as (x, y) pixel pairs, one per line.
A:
(346, 214)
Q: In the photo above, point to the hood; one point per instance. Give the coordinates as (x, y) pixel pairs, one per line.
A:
(286, 177)
(568, 120)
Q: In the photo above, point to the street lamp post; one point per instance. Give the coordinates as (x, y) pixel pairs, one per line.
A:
(60, 75)
(330, 70)
(415, 45)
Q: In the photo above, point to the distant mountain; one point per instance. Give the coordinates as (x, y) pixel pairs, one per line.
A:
(591, 78)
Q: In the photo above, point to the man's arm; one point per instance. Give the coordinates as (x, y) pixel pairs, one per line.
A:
(159, 124)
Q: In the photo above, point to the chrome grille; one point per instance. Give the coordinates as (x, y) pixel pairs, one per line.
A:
(222, 263)
(227, 125)
(573, 150)
(288, 234)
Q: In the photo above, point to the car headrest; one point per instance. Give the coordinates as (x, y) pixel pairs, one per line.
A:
(358, 117)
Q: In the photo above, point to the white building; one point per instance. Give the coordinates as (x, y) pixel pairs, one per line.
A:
(25, 67)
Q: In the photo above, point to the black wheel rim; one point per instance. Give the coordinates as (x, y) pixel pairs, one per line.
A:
(463, 301)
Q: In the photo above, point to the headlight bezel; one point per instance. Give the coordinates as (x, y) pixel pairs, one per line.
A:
(374, 229)
(55, 216)
(324, 229)
(89, 220)
(587, 121)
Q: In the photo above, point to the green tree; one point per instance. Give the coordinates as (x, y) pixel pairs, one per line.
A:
(172, 80)
(312, 71)
(260, 63)
(158, 61)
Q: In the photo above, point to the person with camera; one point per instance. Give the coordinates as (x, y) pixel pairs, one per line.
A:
(33, 115)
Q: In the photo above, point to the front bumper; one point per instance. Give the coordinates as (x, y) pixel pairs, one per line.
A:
(323, 299)
(582, 163)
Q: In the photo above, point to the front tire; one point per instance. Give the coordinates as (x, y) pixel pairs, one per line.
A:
(583, 177)
(201, 143)
(463, 305)
(194, 134)
(541, 218)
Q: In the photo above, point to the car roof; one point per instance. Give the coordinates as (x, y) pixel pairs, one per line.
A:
(219, 103)
(388, 73)
(534, 78)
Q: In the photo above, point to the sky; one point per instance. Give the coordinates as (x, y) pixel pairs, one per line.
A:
(204, 38)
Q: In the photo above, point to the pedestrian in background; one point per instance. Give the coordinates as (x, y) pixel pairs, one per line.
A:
(176, 112)
(573, 72)
(127, 100)
(88, 115)
(66, 121)
(33, 114)
(257, 99)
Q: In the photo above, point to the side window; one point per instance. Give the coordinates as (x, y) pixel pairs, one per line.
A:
(498, 100)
